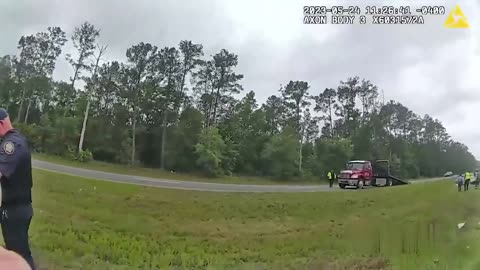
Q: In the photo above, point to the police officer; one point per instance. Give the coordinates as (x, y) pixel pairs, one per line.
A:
(467, 181)
(16, 210)
(330, 176)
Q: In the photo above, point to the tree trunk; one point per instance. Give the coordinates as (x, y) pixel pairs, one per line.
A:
(300, 159)
(84, 127)
(75, 75)
(164, 139)
(330, 119)
(300, 153)
(210, 107)
(182, 84)
(208, 115)
(65, 111)
(87, 109)
(28, 110)
(19, 114)
(134, 123)
(179, 105)
(215, 106)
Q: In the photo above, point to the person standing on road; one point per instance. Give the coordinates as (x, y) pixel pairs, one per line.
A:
(16, 185)
(330, 176)
(467, 181)
(460, 182)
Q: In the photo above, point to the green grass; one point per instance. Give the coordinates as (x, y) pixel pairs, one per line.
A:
(89, 224)
(157, 173)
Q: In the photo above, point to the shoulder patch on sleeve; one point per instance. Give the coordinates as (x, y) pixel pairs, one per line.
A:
(8, 147)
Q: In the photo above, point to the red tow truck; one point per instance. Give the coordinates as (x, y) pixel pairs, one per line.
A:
(361, 173)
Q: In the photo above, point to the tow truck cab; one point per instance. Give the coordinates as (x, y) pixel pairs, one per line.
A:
(358, 173)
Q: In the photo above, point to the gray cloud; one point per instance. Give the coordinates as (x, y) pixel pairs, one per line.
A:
(428, 68)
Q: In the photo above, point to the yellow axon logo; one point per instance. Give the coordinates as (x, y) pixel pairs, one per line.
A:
(456, 19)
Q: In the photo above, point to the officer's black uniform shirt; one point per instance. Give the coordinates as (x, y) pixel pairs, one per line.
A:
(16, 169)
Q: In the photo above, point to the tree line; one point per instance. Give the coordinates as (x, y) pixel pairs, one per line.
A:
(175, 108)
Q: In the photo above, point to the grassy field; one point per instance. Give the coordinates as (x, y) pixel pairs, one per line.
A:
(89, 224)
(157, 173)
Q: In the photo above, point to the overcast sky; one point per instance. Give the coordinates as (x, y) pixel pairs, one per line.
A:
(430, 69)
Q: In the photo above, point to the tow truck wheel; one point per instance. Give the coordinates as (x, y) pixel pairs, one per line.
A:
(342, 186)
(360, 184)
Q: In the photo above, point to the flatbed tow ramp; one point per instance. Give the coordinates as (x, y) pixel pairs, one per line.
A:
(384, 178)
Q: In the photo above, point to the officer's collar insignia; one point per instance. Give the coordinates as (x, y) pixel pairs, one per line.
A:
(8, 147)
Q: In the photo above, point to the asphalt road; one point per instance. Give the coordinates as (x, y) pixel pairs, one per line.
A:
(186, 185)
